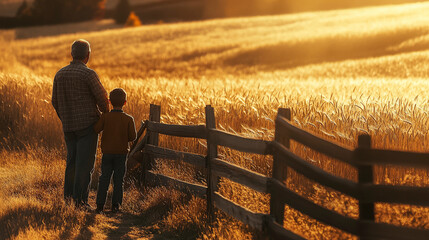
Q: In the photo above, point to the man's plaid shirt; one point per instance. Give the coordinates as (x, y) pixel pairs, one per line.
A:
(76, 93)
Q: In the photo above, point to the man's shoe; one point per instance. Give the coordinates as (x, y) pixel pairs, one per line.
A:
(99, 209)
(115, 209)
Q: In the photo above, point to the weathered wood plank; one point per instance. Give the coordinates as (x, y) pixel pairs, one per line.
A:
(391, 157)
(280, 167)
(240, 175)
(162, 180)
(190, 131)
(191, 158)
(326, 147)
(316, 174)
(212, 179)
(152, 138)
(375, 230)
(139, 133)
(140, 145)
(313, 210)
(395, 194)
(365, 176)
(277, 208)
(240, 213)
(242, 144)
(277, 232)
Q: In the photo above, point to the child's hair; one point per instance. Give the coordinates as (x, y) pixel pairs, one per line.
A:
(118, 97)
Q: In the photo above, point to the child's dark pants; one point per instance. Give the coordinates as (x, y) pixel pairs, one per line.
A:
(112, 164)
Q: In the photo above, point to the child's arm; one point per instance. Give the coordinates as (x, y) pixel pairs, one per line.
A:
(99, 126)
(131, 130)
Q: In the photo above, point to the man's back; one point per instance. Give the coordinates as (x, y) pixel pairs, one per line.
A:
(76, 93)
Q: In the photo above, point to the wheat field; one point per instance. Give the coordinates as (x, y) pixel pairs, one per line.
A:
(343, 73)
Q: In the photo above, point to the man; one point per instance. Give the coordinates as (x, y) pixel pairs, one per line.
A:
(78, 97)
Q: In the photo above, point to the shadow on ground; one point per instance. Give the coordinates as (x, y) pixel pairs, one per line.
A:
(20, 219)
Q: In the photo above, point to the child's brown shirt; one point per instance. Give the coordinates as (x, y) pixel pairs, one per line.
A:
(118, 129)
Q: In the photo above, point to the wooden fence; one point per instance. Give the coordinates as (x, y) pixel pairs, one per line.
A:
(362, 158)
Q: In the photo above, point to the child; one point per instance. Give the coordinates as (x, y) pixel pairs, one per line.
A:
(118, 129)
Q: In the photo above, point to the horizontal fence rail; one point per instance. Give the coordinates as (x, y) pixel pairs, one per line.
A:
(313, 210)
(395, 158)
(276, 231)
(240, 175)
(239, 143)
(386, 231)
(316, 174)
(323, 146)
(395, 194)
(363, 158)
(191, 158)
(160, 179)
(198, 131)
(252, 219)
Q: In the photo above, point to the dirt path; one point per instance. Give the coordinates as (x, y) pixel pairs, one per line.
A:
(122, 225)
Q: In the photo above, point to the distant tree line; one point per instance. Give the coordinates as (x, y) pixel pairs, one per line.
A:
(43, 12)
(59, 11)
(122, 11)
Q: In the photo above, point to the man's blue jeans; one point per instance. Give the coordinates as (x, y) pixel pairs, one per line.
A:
(112, 164)
(81, 151)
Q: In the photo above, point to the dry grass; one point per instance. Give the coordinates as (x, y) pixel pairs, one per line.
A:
(342, 72)
(26, 210)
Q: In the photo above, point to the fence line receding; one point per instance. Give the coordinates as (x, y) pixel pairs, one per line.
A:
(363, 158)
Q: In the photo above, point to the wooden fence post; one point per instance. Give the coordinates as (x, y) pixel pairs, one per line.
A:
(212, 179)
(279, 170)
(365, 175)
(154, 116)
(284, 139)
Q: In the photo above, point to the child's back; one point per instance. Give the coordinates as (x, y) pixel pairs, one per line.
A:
(118, 129)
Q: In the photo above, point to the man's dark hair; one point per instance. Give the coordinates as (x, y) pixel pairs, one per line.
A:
(80, 49)
(118, 97)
